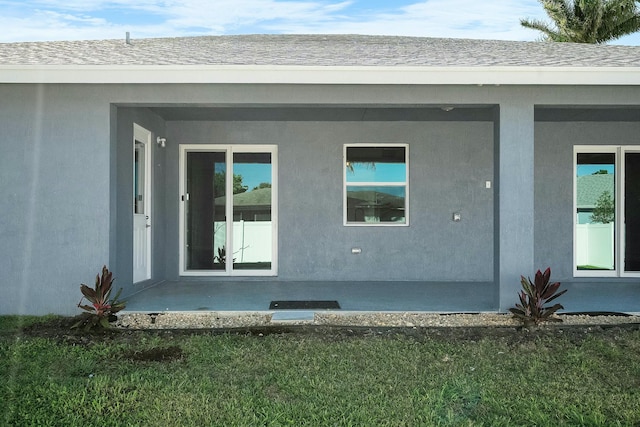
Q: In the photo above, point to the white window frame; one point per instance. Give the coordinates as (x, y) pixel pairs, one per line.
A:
(346, 223)
(619, 233)
(229, 151)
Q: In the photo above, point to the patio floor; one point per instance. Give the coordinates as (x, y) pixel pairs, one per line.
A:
(440, 297)
(352, 296)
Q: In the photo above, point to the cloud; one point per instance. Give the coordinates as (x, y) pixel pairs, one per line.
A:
(435, 18)
(29, 20)
(89, 19)
(229, 15)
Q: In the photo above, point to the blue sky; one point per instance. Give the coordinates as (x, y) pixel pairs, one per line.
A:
(40, 20)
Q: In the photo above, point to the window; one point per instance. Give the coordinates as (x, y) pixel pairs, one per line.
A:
(607, 211)
(376, 180)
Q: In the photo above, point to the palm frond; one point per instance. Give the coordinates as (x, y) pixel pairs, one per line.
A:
(586, 21)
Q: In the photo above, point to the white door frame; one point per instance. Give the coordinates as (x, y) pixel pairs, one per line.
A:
(183, 197)
(142, 247)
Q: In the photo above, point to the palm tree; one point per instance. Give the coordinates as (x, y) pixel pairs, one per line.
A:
(587, 21)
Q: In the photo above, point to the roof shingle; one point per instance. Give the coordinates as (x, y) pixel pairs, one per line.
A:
(318, 50)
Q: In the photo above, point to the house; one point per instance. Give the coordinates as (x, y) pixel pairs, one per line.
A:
(441, 164)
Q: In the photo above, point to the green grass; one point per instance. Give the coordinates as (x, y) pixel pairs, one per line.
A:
(312, 379)
(11, 324)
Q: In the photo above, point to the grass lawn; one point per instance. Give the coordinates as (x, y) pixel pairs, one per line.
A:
(577, 377)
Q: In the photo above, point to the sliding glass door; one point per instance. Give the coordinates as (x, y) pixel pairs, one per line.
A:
(607, 211)
(228, 213)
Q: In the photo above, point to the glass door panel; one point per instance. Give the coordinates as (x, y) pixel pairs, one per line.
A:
(595, 211)
(632, 211)
(252, 202)
(139, 175)
(205, 228)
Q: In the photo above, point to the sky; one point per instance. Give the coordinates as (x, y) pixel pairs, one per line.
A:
(44, 20)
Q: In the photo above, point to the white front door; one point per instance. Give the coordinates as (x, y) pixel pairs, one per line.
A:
(141, 204)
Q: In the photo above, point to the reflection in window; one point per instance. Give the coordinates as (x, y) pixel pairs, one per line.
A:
(139, 162)
(595, 211)
(252, 202)
(376, 184)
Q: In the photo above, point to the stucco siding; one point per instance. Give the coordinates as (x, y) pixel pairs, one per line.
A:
(54, 218)
(450, 163)
(554, 142)
(66, 170)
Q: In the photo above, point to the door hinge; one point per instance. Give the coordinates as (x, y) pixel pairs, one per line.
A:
(185, 197)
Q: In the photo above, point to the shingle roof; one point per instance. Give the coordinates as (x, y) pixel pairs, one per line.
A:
(591, 187)
(318, 50)
(253, 198)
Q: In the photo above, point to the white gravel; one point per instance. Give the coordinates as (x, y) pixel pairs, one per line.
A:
(197, 320)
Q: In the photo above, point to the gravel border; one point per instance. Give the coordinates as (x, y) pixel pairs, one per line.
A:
(223, 320)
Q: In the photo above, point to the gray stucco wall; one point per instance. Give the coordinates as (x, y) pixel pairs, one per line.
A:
(554, 142)
(449, 165)
(54, 182)
(64, 182)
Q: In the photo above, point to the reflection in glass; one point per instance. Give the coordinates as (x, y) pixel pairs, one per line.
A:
(595, 211)
(205, 211)
(376, 190)
(376, 164)
(138, 178)
(252, 227)
(632, 211)
(375, 204)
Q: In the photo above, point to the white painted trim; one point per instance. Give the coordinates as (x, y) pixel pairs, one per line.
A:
(229, 150)
(390, 184)
(339, 75)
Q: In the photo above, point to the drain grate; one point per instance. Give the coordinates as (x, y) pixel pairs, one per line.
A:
(304, 305)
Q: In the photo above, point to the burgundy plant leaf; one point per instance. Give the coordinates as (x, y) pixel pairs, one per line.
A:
(548, 286)
(557, 295)
(86, 307)
(553, 309)
(89, 293)
(516, 311)
(526, 285)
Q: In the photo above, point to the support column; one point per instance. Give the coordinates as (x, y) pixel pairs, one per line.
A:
(515, 201)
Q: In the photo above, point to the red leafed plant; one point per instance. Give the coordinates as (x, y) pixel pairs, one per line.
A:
(533, 298)
(102, 308)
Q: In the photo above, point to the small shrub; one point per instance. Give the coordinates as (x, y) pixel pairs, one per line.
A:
(534, 297)
(222, 256)
(102, 308)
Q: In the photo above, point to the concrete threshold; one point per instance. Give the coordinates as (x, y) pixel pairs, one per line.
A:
(292, 316)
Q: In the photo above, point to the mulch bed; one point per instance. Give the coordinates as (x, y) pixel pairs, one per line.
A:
(59, 330)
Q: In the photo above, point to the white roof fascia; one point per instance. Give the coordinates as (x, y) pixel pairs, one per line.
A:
(334, 75)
